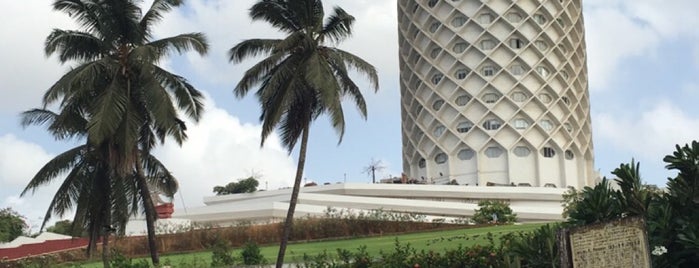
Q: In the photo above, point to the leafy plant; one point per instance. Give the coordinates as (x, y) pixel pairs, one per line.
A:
(401, 256)
(251, 254)
(12, 225)
(675, 218)
(535, 249)
(221, 254)
(571, 198)
(596, 204)
(495, 212)
(634, 197)
(361, 258)
(118, 260)
(322, 260)
(248, 185)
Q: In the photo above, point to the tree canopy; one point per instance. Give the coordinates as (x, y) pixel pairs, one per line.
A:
(12, 225)
(247, 185)
(65, 227)
(126, 104)
(301, 77)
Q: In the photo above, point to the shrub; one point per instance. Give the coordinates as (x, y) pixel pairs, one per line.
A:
(534, 249)
(404, 255)
(322, 260)
(251, 254)
(362, 258)
(221, 254)
(489, 208)
(118, 260)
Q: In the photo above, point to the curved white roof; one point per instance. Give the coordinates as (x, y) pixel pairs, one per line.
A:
(530, 203)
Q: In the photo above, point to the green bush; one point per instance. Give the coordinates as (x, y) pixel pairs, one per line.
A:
(251, 254)
(117, 260)
(404, 255)
(671, 214)
(221, 254)
(361, 258)
(322, 260)
(488, 208)
(401, 256)
(534, 249)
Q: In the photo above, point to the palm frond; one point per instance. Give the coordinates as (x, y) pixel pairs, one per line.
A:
(348, 86)
(80, 81)
(155, 13)
(180, 43)
(69, 123)
(87, 13)
(68, 193)
(276, 94)
(121, 23)
(159, 176)
(356, 64)
(321, 78)
(257, 73)
(162, 114)
(109, 110)
(124, 141)
(73, 45)
(252, 48)
(307, 13)
(56, 166)
(297, 117)
(276, 13)
(187, 97)
(121, 209)
(37, 117)
(338, 26)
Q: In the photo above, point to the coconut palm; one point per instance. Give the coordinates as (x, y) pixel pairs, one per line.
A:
(300, 77)
(132, 102)
(101, 201)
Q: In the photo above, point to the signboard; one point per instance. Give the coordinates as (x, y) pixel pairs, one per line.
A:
(622, 243)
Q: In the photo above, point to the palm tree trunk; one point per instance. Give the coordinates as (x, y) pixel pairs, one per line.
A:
(149, 208)
(105, 238)
(92, 244)
(294, 198)
(105, 225)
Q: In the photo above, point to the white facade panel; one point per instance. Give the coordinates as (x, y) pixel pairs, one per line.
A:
(515, 71)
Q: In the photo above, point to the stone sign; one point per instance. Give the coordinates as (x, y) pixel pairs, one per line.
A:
(622, 243)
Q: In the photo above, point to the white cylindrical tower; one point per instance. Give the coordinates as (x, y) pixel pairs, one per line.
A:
(495, 91)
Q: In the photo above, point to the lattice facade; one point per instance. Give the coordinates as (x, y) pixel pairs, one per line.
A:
(495, 91)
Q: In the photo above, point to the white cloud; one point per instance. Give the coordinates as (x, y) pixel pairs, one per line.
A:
(670, 18)
(226, 23)
(19, 160)
(26, 73)
(651, 134)
(220, 150)
(606, 47)
(619, 30)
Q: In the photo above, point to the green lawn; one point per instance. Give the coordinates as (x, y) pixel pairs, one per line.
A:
(437, 241)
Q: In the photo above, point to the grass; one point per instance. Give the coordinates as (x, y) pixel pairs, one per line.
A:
(434, 240)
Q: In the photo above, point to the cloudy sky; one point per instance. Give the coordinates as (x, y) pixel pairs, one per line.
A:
(643, 61)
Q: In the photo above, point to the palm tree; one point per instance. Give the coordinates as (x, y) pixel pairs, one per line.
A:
(300, 77)
(634, 197)
(101, 200)
(130, 98)
(596, 204)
